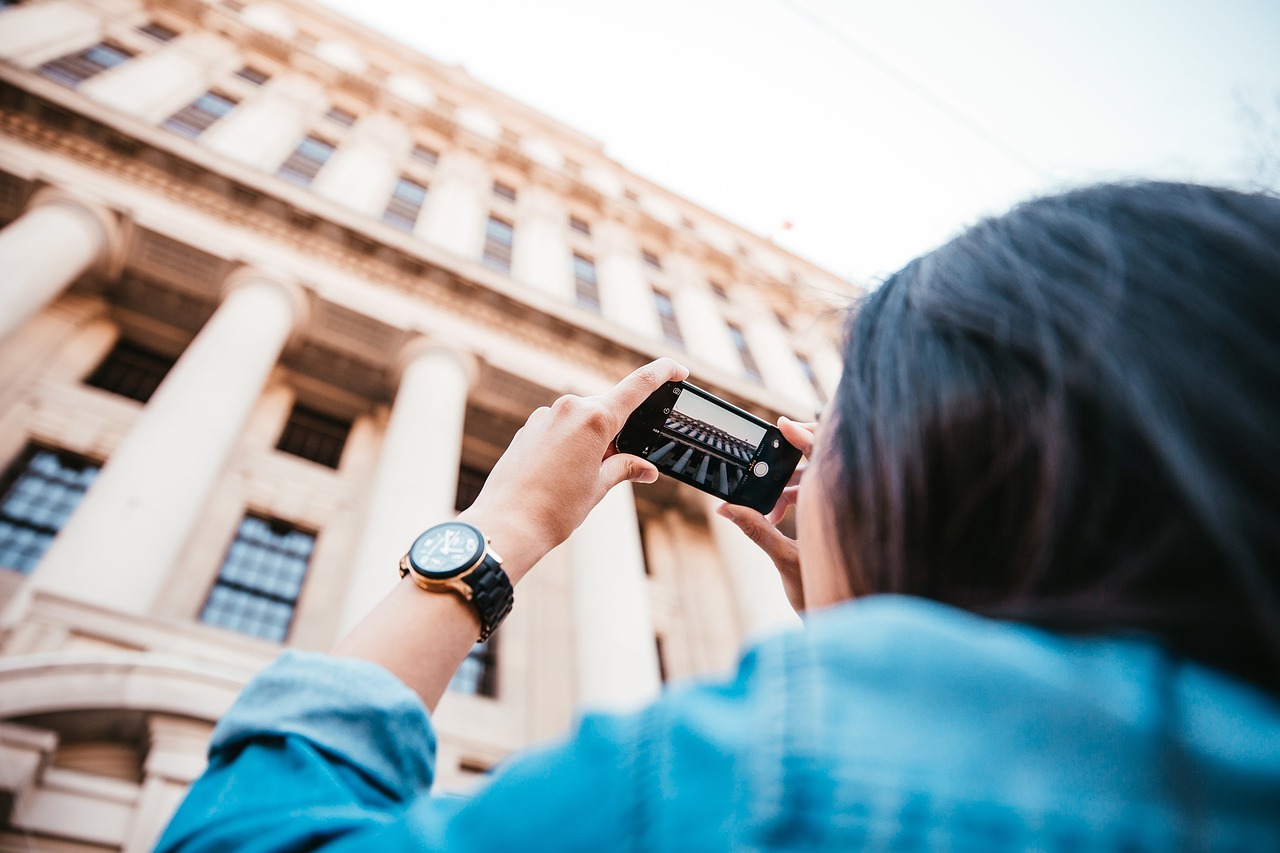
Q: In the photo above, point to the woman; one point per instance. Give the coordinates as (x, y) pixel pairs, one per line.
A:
(1056, 442)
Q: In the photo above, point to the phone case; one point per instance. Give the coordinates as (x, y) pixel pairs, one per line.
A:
(711, 445)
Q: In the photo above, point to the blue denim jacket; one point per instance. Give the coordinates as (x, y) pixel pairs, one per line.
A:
(889, 723)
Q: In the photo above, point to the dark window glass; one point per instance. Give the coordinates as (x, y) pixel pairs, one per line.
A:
(580, 225)
(158, 31)
(341, 116)
(257, 587)
(498, 239)
(807, 367)
(406, 200)
(651, 259)
(314, 436)
(477, 675)
(305, 161)
(662, 659)
(196, 117)
(744, 353)
(130, 371)
(667, 314)
(39, 492)
(585, 284)
(74, 68)
(423, 154)
(253, 75)
(502, 190)
(470, 482)
(719, 291)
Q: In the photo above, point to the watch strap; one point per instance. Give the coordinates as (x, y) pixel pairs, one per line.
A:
(491, 594)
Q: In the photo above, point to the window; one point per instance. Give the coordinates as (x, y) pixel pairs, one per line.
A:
(667, 314)
(305, 161)
(719, 291)
(406, 200)
(663, 674)
(807, 367)
(253, 75)
(159, 32)
(74, 68)
(341, 116)
(585, 284)
(502, 190)
(257, 587)
(196, 117)
(470, 482)
(651, 259)
(39, 493)
(580, 225)
(782, 320)
(423, 154)
(315, 436)
(477, 674)
(744, 353)
(498, 239)
(130, 371)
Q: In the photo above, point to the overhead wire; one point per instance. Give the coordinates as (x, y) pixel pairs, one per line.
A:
(916, 87)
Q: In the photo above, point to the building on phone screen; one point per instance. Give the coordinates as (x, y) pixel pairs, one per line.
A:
(275, 292)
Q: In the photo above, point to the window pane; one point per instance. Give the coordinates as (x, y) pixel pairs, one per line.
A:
(744, 353)
(39, 493)
(667, 314)
(498, 239)
(73, 69)
(131, 371)
(502, 190)
(585, 284)
(158, 31)
(477, 674)
(195, 118)
(314, 436)
(257, 588)
(424, 154)
(405, 203)
(253, 75)
(341, 116)
(303, 164)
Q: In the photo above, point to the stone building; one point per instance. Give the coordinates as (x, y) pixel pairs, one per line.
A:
(275, 291)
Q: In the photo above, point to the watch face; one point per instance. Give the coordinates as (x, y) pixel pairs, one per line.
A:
(446, 549)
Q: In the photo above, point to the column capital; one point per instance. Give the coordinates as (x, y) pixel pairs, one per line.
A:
(294, 293)
(421, 347)
(100, 217)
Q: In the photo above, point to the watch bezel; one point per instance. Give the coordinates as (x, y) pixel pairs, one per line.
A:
(448, 574)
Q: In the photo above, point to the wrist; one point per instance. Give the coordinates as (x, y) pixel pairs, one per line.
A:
(511, 536)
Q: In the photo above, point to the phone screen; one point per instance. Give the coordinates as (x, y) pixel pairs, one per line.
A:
(710, 444)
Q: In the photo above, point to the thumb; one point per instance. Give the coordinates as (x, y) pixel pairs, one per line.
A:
(624, 466)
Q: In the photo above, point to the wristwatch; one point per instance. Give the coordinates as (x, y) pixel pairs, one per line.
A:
(455, 557)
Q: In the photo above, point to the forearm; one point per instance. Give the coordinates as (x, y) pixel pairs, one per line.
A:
(422, 637)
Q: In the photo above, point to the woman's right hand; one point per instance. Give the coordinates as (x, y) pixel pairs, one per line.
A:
(763, 529)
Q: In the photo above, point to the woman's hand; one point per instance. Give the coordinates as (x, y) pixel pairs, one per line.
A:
(559, 466)
(763, 529)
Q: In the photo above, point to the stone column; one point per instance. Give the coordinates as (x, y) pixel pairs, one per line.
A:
(263, 130)
(457, 204)
(157, 84)
(697, 309)
(541, 252)
(416, 479)
(362, 172)
(119, 547)
(762, 604)
(46, 249)
(625, 295)
(616, 651)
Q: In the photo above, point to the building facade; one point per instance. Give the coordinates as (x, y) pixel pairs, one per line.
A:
(275, 292)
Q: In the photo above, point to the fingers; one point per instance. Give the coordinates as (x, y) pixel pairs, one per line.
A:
(623, 466)
(632, 391)
(781, 550)
(800, 435)
(788, 498)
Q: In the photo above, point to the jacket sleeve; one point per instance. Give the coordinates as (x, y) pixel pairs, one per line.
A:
(334, 754)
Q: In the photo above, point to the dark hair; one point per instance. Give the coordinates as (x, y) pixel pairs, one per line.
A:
(1070, 416)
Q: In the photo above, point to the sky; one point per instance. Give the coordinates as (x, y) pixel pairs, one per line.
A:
(878, 129)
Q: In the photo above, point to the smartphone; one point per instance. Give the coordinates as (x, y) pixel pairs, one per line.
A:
(699, 439)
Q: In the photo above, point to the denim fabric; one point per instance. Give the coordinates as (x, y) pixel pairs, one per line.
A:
(889, 724)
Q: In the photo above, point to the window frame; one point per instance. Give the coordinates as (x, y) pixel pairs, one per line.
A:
(10, 481)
